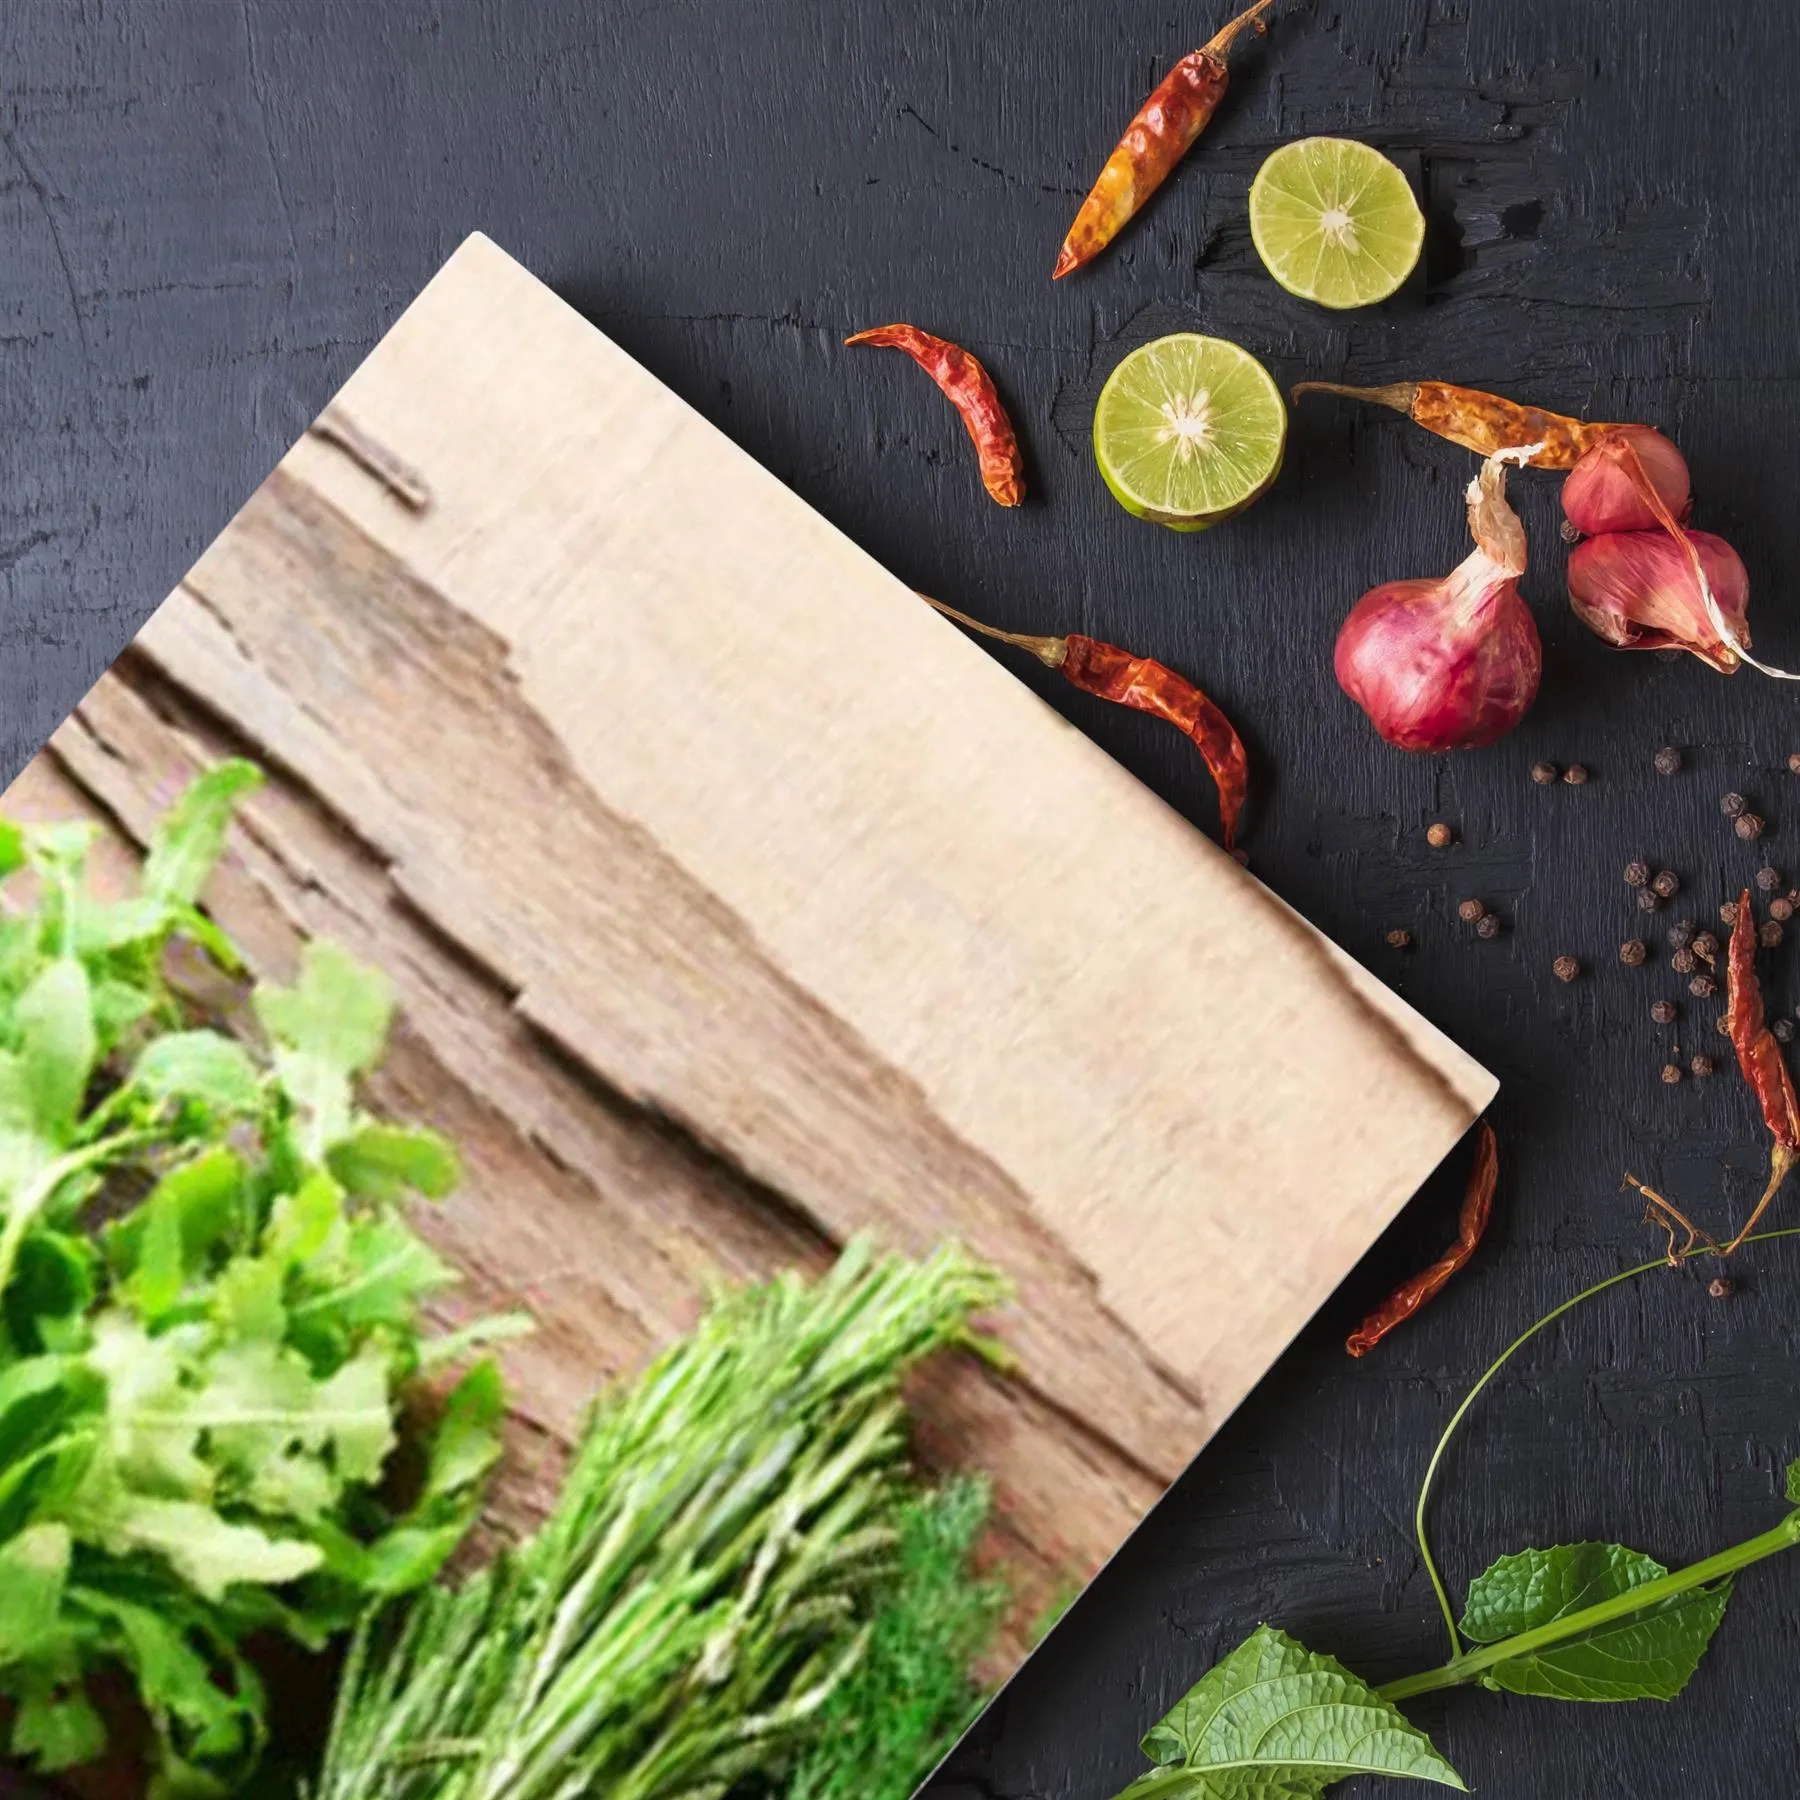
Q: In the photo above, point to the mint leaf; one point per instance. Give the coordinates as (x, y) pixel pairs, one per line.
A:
(1275, 1719)
(383, 1162)
(1643, 1656)
(186, 845)
(57, 1045)
(203, 1066)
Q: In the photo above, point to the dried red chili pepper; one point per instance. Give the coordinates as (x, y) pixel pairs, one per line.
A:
(1481, 422)
(970, 389)
(1409, 1296)
(1146, 686)
(1157, 139)
(1759, 1056)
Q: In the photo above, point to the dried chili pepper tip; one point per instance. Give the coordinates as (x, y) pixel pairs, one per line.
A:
(1668, 760)
(1439, 835)
(1684, 962)
(1747, 826)
(1565, 968)
(1575, 774)
(1471, 912)
(1770, 933)
(1663, 1011)
(1636, 874)
(1782, 1030)
(1399, 939)
(1666, 884)
(1671, 1073)
(1633, 952)
(1721, 1287)
(1545, 773)
(1487, 926)
(1703, 987)
(1731, 805)
(1768, 879)
(1701, 1066)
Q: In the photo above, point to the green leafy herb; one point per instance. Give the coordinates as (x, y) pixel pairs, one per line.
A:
(199, 1400)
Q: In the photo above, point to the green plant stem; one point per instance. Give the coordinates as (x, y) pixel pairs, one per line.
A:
(1471, 1664)
(1469, 1399)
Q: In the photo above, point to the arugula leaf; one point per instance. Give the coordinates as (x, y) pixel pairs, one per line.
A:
(207, 1551)
(1793, 1481)
(57, 1728)
(182, 1222)
(382, 1162)
(331, 1025)
(203, 1066)
(1276, 1719)
(185, 846)
(12, 849)
(466, 1443)
(1644, 1656)
(58, 1045)
(34, 1569)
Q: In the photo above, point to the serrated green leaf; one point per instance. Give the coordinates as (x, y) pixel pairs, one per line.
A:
(378, 1274)
(1276, 1719)
(1793, 1481)
(34, 1569)
(186, 844)
(202, 1066)
(57, 1729)
(12, 849)
(384, 1162)
(97, 926)
(208, 1552)
(466, 1443)
(57, 1044)
(337, 1012)
(1644, 1656)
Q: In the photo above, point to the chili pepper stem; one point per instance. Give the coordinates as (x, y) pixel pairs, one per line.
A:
(1400, 395)
(1221, 41)
(1052, 652)
(1781, 1161)
(1658, 1211)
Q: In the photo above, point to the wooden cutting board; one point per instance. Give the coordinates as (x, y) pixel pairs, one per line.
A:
(737, 903)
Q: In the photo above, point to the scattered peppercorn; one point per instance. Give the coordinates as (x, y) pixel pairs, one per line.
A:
(1648, 900)
(1663, 1011)
(1671, 1073)
(1684, 962)
(1544, 773)
(1632, 952)
(1781, 908)
(1703, 987)
(1768, 879)
(1782, 1030)
(1575, 774)
(1565, 968)
(1701, 1066)
(1727, 912)
(1722, 1026)
(1399, 938)
(1666, 884)
(1438, 835)
(1471, 911)
(1794, 763)
(1636, 874)
(1487, 926)
(1706, 946)
(1731, 805)
(1747, 826)
(1681, 934)
(1721, 1287)
(1769, 933)
(1668, 760)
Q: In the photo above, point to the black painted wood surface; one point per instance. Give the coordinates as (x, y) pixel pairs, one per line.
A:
(209, 211)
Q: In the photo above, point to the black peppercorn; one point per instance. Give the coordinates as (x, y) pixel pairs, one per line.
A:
(1663, 1011)
(1747, 826)
(1575, 774)
(1728, 912)
(1487, 926)
(1671, 1073)
(1768, 879)
(1769, 933)
(1647, 900)
(1722, 1027)
(1700, 1065)
(1632, 952)
(1684, 962)
(1666, 884)
(1681, 934)
(1782, 1030)
(1731, 805)
(1544, 773)
(1565, 968)
(1706, 946)
(1703, 987)
(1781, 908)
(1438, 835)
(1636, 874)
(1794, 763)
(1471, 911)
(1399, 938)
(1721, 1287)
(1668, 760)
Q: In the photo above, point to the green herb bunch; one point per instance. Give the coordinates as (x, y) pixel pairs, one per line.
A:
(1589, 1621)
(209, 1308)
(710, 1579)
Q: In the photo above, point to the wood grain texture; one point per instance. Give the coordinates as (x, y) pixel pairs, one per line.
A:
(211, 213)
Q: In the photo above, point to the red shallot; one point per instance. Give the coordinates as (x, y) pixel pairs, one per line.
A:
(1599, 496)
(1450, 664)
(1635, 590)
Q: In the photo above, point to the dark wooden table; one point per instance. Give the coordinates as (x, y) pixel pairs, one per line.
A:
(209, 212)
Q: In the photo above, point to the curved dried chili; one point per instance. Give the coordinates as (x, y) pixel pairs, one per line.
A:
(1484, 423)
(1147, 686)
(970, 389)
(1160, 135)
(1410, 1296)
(1759, 1056)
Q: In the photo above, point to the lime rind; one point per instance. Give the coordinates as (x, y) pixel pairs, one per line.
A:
(1189, 430)
(1335, 222)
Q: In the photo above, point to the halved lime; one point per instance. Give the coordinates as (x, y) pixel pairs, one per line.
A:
(1335, 222)
(1189, 430)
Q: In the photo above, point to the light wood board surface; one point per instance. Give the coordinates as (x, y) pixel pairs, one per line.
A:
(737, 904)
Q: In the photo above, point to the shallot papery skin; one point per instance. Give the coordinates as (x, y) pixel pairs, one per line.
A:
(1636, 591)
(1600, 495)
(1450, 664)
